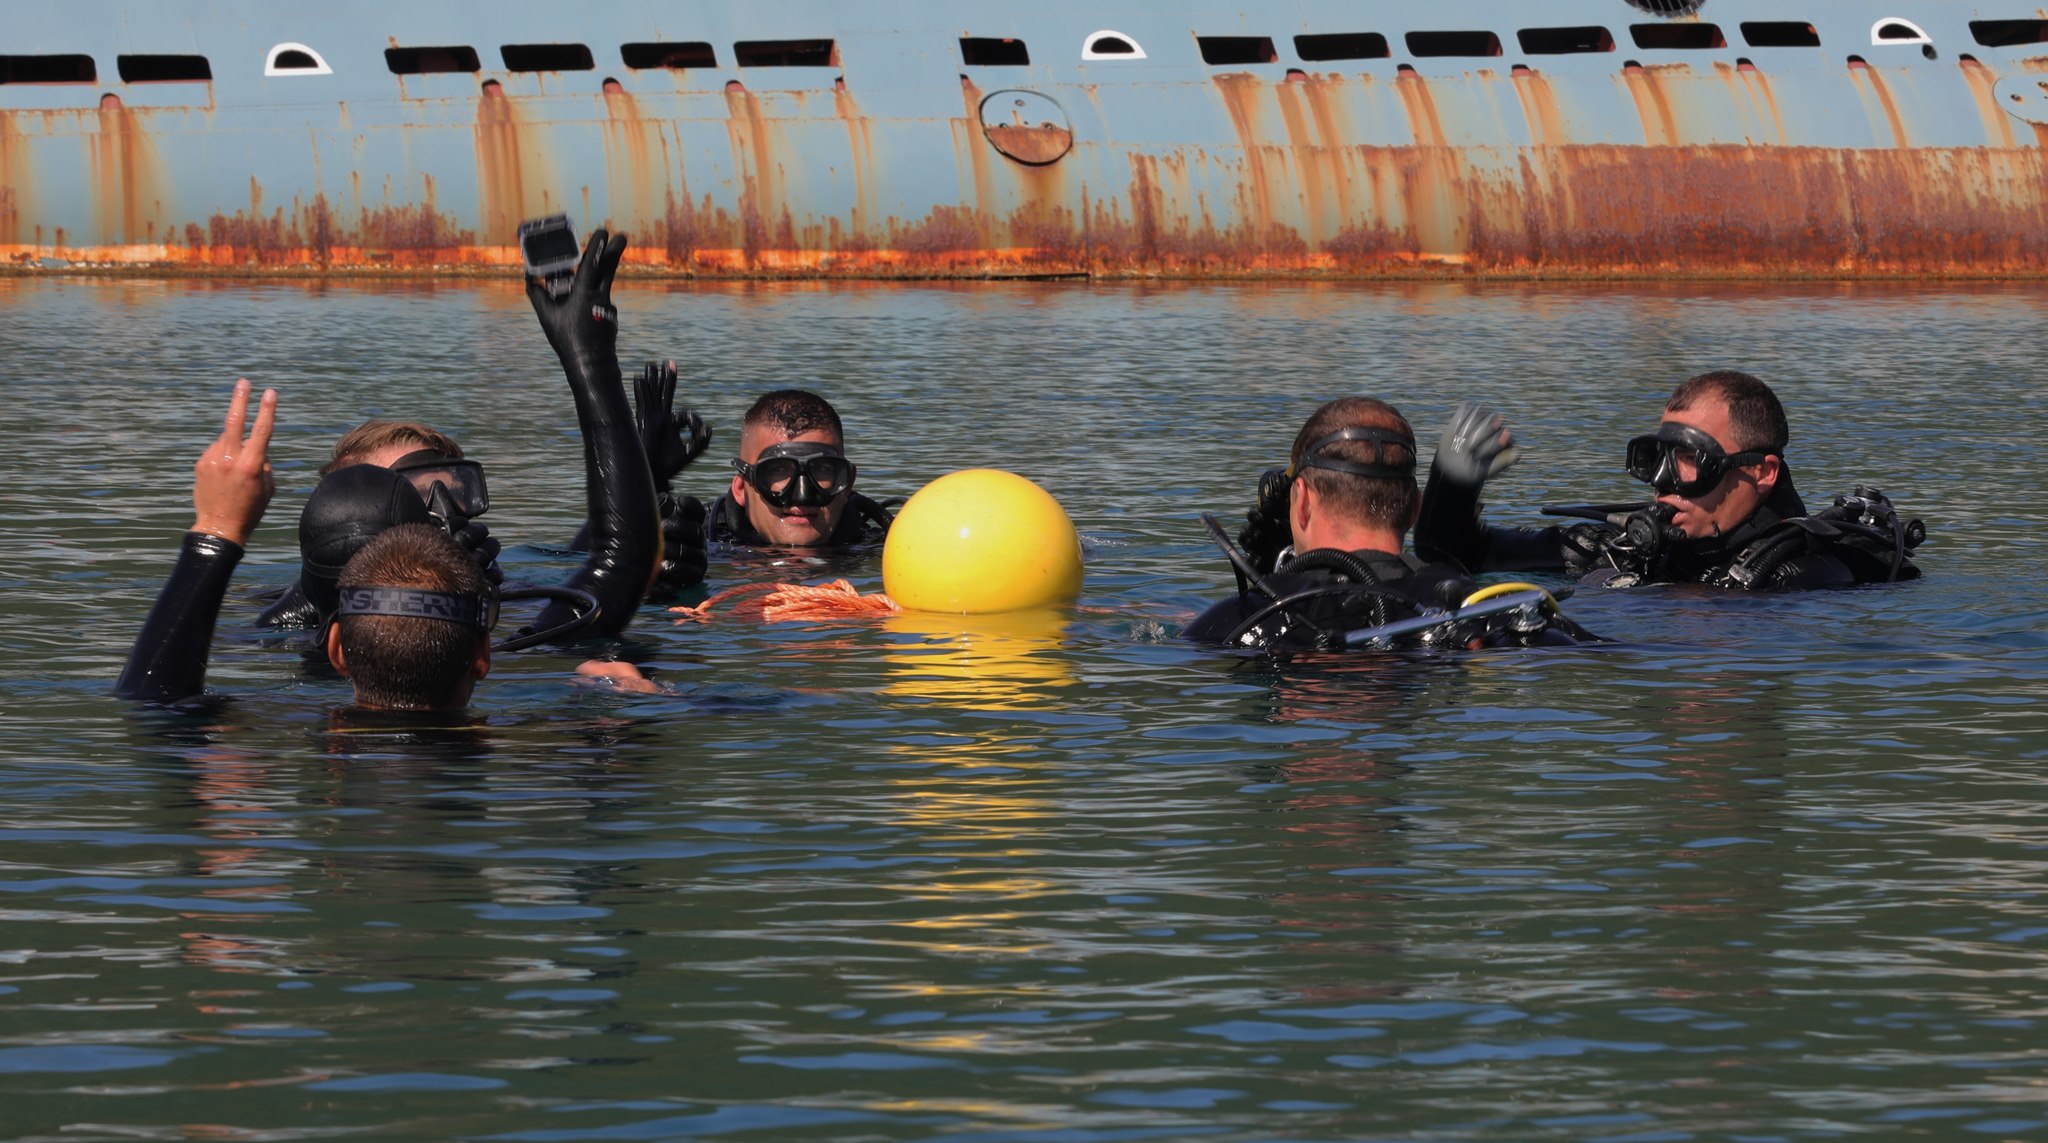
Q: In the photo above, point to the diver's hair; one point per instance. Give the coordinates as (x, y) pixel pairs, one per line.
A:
(793, 411)
(402, 662)
(359, 442)
(1758, 418)
(1383, 500)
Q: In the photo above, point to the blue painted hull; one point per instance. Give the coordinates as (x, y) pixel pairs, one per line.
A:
(900, 149)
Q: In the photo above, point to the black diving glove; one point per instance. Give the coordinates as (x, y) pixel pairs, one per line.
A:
(683, 560)
(476, 539)
(672, 439)
(1266, 532)
(1476, 446)
(582, 325)
(473, 535)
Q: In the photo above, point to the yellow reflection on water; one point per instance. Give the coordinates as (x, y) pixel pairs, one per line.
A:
(988, 796)
(1008, 661)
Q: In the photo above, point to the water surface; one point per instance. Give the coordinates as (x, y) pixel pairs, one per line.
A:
(1771, 869)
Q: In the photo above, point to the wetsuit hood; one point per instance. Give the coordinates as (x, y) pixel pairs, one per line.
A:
(351, 507)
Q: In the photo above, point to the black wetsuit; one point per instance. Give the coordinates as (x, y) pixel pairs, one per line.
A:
(1780, 547)
(865, 521)
(169, 659)
(1334, 593)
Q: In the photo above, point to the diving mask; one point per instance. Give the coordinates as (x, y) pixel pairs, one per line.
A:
(1679, 460)
(798, 474)
(461, 480)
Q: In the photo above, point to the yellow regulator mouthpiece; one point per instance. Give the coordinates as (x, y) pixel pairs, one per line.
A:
(981, 541)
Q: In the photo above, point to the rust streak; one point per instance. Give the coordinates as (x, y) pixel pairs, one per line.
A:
(860, 142)
(1759, 86)
(124, 176)
(1997, 124)
(1241, 99)
(1430, 176)
(635, 181)
(968, 137)
(1653, 106)
(14, 181)
(1319, 169)
(757, 159)
(1864, 74)
(508, 162)
(1539, 108)
(1423, 121)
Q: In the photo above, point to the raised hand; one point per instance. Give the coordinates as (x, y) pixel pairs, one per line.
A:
(232, 482)
(582, 324)
(672, 440)
(1476, 445)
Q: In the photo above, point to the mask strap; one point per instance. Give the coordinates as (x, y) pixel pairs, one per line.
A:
(1380, 468)
(477, 611)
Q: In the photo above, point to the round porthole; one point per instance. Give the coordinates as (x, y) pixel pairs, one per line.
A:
(1026, 126)
(2023, 96)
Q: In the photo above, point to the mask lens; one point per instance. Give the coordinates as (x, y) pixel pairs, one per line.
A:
(773, 475)
(829, 473)
(464, 480)
(1688, 464)
(1645, 456)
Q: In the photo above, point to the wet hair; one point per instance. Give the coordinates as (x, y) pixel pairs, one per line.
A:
(403, 662)
(1753, 410)
(370, 436)
(1386, 501)
(793, 411)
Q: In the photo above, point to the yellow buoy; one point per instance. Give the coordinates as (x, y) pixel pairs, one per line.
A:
(981, 541)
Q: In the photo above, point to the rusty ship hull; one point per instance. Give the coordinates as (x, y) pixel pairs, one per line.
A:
(797, 137)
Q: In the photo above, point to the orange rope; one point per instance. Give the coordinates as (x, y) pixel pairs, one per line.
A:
(782, 602)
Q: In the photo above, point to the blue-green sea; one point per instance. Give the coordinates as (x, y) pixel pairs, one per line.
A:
(1766, 868)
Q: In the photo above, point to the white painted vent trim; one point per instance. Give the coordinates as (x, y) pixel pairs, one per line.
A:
(1919, 36)
(270, 61)
(1090, 49)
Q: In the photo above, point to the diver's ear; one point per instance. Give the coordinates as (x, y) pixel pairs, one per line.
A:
(1414, 514)
(1767, 471)
(334, 653)
(739, 491)
(1299, 509)
(482, 663)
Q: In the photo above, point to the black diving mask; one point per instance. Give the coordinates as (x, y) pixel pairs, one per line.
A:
(1679, 460)
(461, 480)
(798, 474)
(1393, 454)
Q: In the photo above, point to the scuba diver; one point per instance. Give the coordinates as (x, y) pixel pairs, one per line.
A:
(1322, 566)
(358, 504)
(793, 485)
(1725, 512)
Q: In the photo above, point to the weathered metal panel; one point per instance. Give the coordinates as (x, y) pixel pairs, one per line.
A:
(1849, 158)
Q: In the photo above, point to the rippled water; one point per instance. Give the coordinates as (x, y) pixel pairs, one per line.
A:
(1771, 869)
